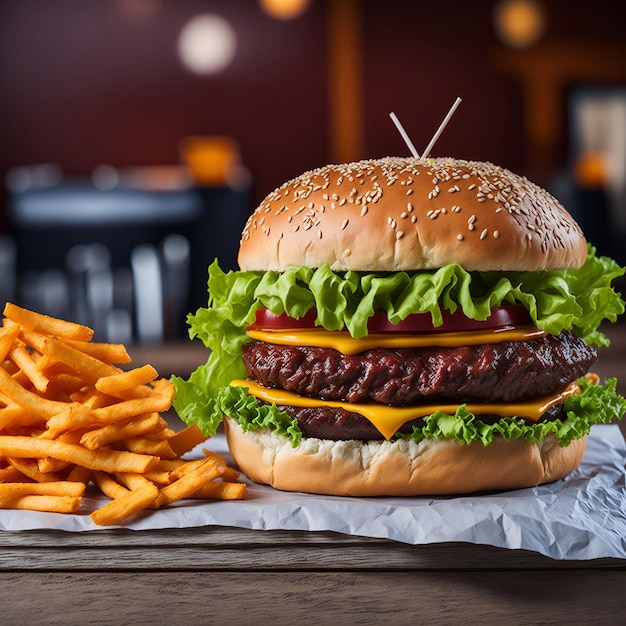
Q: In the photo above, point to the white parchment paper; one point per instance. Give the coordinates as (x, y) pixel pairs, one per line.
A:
(580, 517)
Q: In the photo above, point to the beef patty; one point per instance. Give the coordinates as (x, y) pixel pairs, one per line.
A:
(503, 372)
(339, 424)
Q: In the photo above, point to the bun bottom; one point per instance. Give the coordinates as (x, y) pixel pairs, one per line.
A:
(402, 468)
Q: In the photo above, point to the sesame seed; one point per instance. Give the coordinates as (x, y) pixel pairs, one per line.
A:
(409, 192)
(319, 234)
(472, 186)
(460, 237)
(399, 235)
(364, 210)
(409, 207)
(342, 201)
(414, 218)
(472, 219)
(484, 233)
(496, 234)
(471, 226)
(404, 215)
(345, 223)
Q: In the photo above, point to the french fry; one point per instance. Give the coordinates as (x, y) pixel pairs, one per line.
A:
(230, 473)
(104, 460)
(221, 491)
(209, 470)
(186, 439)
(142, 445)
(109, 486)
(96, 438)
(126, 506)
(107, 352)
(164, 387)
(45, 324)
(131, 480)
(116, 383)
(79, 474)
(159, 478)
(55, 488)
(131, 408)
(52, 504)
(25, 362)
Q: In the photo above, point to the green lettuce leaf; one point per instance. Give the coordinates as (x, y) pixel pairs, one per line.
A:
(577, 300)
(596, 404)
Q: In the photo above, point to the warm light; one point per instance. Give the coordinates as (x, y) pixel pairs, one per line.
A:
(213, 160)
(590, 170)
(285, 9)
(207, 44)
(519, 23)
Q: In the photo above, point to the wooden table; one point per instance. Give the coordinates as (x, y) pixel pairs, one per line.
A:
(216, 575)
(221, 575)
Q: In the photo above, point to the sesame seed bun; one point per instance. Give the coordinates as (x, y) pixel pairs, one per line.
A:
(398, 214)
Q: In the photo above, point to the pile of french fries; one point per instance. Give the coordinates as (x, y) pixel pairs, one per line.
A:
(70, 418)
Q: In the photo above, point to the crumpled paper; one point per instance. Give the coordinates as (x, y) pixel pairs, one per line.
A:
(580, 517)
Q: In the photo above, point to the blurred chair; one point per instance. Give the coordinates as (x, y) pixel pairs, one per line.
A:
(122, 254)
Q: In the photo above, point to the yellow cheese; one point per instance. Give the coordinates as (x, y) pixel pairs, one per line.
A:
(344, 343)
(388, 420)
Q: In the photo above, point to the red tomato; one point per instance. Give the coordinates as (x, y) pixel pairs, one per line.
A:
(509, 315)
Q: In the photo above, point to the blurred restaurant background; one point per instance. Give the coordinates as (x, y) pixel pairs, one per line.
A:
(136, 136)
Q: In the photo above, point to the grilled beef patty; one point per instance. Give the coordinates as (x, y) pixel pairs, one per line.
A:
(503, 372)
(339, 424)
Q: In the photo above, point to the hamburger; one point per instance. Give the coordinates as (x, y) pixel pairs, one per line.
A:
(406, 326)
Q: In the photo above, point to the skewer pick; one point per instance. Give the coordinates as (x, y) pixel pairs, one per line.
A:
(446, 119)
(409, 143)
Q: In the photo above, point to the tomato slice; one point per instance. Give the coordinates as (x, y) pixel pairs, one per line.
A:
(503, 316)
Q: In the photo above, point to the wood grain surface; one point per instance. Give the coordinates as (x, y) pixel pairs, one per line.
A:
(217, 575)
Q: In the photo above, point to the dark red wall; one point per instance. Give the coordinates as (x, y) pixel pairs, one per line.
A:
(81, 83)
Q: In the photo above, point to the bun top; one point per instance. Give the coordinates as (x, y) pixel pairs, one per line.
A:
(396, 214)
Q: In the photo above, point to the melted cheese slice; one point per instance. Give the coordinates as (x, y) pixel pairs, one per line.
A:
(388, 420)
(342, 341)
